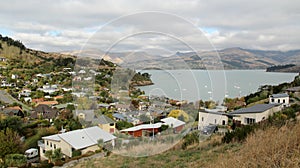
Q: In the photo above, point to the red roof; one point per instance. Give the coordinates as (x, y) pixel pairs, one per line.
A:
(48, 102)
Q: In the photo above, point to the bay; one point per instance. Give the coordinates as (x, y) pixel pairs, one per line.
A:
(193, 85)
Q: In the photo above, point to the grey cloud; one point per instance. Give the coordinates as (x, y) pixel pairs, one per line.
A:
(258, 24)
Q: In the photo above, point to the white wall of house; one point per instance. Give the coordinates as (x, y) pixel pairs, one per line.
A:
(284, 100)
(206, 118)
(91, 148)
(66, 149)
(248, 118)
(49, 145)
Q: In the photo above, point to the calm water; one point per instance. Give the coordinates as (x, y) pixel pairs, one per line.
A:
(193, 85)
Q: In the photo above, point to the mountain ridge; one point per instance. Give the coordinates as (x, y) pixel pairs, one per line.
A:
(231, 58)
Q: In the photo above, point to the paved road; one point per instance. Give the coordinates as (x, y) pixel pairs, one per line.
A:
(7, 98)
(4, 97)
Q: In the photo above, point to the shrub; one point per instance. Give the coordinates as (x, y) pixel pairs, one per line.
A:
(15, 160)
(190, 139)
(239, 134)
(76, 153)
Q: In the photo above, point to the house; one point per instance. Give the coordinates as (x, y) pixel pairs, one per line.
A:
(122, 107)
(49, 103)
(279, 98)
(294, 90)
(49, 89)
(58, 97)
(43, 111)
(83, 140)
(3, 59)
(14, 76)
(254, 114)
(14, 111)
(27, 99)
(208, 117)
(25, 93)
(81, 114)
(35, 101)
(177, 125)
(104, 122)
(125, 117)
(67, 89)
(140, 130)
(82, 71)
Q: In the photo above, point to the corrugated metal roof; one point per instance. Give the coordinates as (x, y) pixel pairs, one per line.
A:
(280, 95)
(83, 138)
(259, 108)
(52, 137)
(170, 121)
(143, 126)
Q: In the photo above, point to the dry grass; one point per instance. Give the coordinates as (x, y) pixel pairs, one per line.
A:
(272, 147)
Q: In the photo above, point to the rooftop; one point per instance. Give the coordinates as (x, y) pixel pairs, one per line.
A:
(170, 121)
(294, 89)
(143, 126)
(280, 95)
(259, 108)
(82, 138)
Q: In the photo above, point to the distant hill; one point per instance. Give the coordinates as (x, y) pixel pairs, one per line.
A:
(232, 58)
(284, 68)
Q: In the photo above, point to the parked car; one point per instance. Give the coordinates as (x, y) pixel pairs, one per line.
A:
(31, 153)
(207, 130)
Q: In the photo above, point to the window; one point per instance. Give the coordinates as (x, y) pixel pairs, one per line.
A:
(54, 146)
(51, 144)
(272, 100)
(278, 101)
(47, 143)
(202, 119)
(111, 124)
(215, 121)
(44, 151)
(223, 122)
(249, 120)
(283, 100)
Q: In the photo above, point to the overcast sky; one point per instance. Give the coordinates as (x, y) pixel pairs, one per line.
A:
(65, 25)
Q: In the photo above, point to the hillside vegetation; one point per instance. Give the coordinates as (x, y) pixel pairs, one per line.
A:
(271, 147)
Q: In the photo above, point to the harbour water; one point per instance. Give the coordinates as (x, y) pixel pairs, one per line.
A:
(194, 85)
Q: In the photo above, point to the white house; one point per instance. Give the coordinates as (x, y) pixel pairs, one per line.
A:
(254, 113)
(280, 98)
(212, 117)
(177, 125)
(83, 139)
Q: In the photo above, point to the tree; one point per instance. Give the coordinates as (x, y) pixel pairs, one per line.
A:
(10, 142)
(49, 154)
(57, 155)
(177, 113)
(15, 160)
(13, 122)
(123, 125)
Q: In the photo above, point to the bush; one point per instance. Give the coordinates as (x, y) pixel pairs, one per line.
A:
(15, 160)
(239, 134)
(190, 139)
(76, 153)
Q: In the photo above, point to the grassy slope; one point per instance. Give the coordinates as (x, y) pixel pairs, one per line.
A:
(28, 55)
(272, 147)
